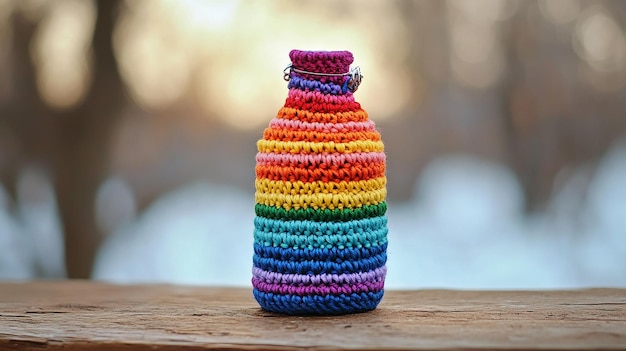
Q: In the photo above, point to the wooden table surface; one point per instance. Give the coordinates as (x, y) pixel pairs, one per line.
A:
(80, 315)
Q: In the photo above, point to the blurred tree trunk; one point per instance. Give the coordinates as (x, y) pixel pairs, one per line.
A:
(73, 143)
(82, 154)
(514, 100)
(24, 117)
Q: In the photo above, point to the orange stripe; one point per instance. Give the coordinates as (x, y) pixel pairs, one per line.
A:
(338, 117)
(315, 136)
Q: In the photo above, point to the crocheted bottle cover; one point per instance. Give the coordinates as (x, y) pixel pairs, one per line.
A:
(320, 237)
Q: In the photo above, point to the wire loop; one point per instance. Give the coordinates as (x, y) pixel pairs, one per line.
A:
(353, 83)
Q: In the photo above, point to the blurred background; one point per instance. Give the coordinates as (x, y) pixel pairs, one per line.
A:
(128, 131)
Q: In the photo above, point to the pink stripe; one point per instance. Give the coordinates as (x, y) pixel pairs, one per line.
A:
(376, 275)
(334, 289)
(284, 159)
(314, 96)
(293, 124)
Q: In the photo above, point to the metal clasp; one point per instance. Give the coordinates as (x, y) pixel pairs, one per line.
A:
(354, 76)
(287, 73)
(355, 79)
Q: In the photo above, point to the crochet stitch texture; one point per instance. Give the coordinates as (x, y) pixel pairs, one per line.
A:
(320, 237)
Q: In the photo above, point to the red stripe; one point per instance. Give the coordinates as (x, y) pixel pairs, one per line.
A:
(325, 173)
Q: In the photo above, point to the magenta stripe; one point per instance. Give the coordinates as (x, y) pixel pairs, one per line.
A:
(286, 159)
(332, 289)
(294, 124)
(376, 275)
(322, 62)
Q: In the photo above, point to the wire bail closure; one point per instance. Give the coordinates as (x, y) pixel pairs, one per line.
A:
(355, 76)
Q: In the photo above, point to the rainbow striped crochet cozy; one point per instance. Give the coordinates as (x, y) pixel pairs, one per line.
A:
(320, 237)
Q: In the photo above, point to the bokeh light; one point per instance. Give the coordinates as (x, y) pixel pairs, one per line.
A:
(477, 53)
(61, 51)
(601, 43)
(237, 47)
(503, 116)
(560, 11)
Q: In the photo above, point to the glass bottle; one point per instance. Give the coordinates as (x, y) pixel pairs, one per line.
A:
(320, 237)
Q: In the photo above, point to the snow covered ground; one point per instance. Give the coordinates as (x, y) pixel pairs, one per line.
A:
(30, 233)
(201, 234)
(464, 228)
(15, 255)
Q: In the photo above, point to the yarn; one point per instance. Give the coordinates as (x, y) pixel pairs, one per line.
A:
(320, 237)
(294, 147)
(334, 215)
(322, 116)
(375, 275)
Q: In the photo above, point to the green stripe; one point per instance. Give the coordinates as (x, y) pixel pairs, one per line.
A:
(321, 215)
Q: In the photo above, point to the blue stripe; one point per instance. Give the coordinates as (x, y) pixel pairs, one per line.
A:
(296, 82)
(333, 254)
(320, 267)
(317, 304)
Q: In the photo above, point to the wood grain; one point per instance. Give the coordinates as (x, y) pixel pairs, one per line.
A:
(80, 315)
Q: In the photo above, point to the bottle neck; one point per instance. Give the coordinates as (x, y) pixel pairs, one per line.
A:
(323, 66)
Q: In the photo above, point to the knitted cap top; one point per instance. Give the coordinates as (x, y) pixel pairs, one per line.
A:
(320, 236)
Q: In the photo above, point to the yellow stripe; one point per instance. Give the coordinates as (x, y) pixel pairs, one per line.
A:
(318, 187)
(322, 201)
(296, 147)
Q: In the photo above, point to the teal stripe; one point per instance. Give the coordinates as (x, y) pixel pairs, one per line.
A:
(319, 228)
(328, 241)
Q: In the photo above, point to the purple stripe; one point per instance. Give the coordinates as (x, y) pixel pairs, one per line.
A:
(376, 275)
(332, 289)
